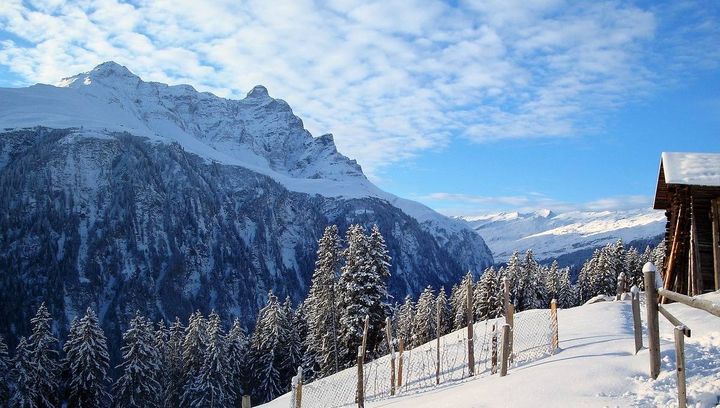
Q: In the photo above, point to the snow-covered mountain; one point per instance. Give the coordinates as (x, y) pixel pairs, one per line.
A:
(553, 235)
(131, 195)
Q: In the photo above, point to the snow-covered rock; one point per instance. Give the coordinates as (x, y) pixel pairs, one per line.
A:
(552, 235)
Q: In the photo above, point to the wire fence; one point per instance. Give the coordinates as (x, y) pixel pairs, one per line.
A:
(531, 339)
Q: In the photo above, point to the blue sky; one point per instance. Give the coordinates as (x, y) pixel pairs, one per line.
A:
(468, 106)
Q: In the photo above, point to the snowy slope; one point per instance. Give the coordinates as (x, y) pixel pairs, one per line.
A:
(551, 235)
(595, 367)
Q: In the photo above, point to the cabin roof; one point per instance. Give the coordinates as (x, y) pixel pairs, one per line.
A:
(690, 169)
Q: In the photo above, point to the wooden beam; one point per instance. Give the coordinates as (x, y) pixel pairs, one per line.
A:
(715, 220)
(697, 303)
(674, 248)
(673, 320)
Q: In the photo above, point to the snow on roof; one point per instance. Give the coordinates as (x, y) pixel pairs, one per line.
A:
(698, 169)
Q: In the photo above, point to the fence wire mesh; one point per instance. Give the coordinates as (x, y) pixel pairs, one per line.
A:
(531, 340)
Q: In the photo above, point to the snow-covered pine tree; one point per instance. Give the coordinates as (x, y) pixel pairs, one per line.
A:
(44, 357)
(458, 300)
(565, 295)
(24, 392)
(446, 315)
(211, 388)
(236, 354)
(362, 292)
(5, 366)
(321, 358)
(160, 341)
(552, 281)
(531, 288)
(633, 267)
(266, 356)
(138, 385)
(194, 348)
(606, 272)
(658, 256)
(87, 360)
(425, 317)
(174, 366)
(291, 342)
(405, 322)
(514, 274)
(588, 282)
(485, 293)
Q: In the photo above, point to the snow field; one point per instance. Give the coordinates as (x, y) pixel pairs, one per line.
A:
(595, 367)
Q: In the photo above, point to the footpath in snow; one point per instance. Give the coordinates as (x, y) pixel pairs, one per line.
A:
(594, 367)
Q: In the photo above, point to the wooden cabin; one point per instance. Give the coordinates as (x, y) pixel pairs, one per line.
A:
(688, 189)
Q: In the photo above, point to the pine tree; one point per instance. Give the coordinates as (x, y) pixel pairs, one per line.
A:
(405, 321)
(236, 353)
(44, 357)
(321, 343)
(530, 290)
(486, 293)
(552, 281)
(425, 317)
(160, 341)
(174, 368)
(291, 342)
(211, 388)
(514, 274)
(458, 301)
(88, 361)
(362, 292)
(194, 348)
(25, 393)
(5, 367)
(658, 256)
(138, 385)
(633, 267)
(446, 317)
(266, 354)
(565, 295)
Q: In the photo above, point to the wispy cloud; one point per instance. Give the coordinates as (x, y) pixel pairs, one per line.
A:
(388, 78)
(465, 204)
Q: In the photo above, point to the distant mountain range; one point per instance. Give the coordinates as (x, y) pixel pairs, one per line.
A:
(128, 195)
(569, 236)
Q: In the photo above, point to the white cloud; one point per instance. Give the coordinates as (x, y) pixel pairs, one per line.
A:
(388, 78)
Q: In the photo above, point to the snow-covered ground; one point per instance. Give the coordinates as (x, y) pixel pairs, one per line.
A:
(595, 367)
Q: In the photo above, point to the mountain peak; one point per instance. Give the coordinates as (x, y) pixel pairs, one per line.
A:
(111, 68)
(107, 70)
(257, 92)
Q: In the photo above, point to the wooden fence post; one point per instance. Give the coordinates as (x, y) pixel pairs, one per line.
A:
(621, 286)
(437, 345)
(365, 332)
(509, 307)
(554, 323)
(651, 301)
(505, 350)
(680, 364)
(470, 319)
(637, 323)
(391, 350)
(246, 401)
(360, 396)
(298, 388)
(400, 363)
(494, 355)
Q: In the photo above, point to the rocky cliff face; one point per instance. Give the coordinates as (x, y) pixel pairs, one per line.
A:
(128, 195)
